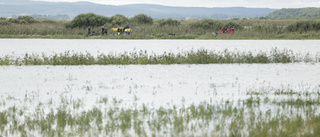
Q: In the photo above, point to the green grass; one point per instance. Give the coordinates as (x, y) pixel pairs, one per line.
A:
(201, 56)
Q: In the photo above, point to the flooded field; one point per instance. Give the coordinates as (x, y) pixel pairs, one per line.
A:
(276, 99)
(48, 46)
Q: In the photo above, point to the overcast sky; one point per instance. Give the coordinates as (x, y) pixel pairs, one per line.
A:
(212, 3)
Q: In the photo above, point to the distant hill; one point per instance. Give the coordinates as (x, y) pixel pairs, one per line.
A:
(295, 13)
(9, 8)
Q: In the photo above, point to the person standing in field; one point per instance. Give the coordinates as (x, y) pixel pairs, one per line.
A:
(89, 31)
(104, 31)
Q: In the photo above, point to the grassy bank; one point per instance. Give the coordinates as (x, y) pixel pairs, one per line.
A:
(201, 56)
(187, 29)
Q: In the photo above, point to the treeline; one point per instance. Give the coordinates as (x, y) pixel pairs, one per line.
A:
(301, 13)
(85, 20)
(91, 19)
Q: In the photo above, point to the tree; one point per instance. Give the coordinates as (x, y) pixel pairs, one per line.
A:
(118, 20)
(142, 19)
(86, 20)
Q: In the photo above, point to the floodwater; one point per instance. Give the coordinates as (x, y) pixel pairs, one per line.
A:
(156, 85)
(35, 89)
(48, 46)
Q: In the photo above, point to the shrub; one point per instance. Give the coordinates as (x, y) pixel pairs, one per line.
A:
(4, 22)
(47, 21)
(207, 24)
(266, 28)
(169, 22)
(23, 20)
(214, 24)
(304, 26)
(27, 19)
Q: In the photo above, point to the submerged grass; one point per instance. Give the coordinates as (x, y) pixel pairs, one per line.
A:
(227, 118)
(251, 116)
(201, 56)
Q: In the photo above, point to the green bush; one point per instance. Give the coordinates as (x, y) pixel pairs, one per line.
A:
(86, 20)
(266, 28)
(207, 24)
(304, 26)
(169, 22)
(27, 19)
(214, 24)
(4, 22)
(23, 20)
(47, 21)
(142, 19)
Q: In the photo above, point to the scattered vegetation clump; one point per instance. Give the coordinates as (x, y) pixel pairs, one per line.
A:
(200, 56)
(168, 22)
